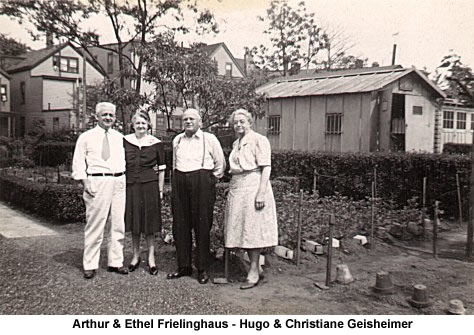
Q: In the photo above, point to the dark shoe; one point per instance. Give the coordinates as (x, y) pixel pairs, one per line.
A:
(133, 267)
(121, 270)
(203, 277)
(153, 270)
(248, 285)
(182, 272)
(89, 274)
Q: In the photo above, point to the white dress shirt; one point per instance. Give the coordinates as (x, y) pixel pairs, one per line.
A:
(88, 153)
(188, 153)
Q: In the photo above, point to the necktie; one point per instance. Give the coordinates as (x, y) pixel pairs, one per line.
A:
(105, 147)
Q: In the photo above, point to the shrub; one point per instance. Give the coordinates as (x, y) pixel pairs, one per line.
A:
(457, 148)
(53, 153)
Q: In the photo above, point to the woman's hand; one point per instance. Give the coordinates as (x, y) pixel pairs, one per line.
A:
(259, 200)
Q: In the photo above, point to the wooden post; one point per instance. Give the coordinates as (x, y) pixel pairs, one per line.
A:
(332, 220)
(459, 198)
(315, 181)
(423, 209)
(298, 244)
(372, 241)
(375, 182)
(435, 230)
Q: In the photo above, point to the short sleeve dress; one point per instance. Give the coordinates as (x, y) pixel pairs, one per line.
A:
(143, 205)
(246, 227)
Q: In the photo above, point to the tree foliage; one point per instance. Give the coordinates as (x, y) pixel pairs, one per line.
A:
(294, 35)
(11, 47)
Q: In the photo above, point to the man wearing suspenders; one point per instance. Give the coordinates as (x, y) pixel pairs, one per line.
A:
(198, 161)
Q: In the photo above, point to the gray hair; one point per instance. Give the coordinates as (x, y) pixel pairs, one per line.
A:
(143, 114)
(243, 112)
(104, 106)
(193, 111)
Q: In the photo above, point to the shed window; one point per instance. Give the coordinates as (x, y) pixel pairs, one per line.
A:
(334, 123)
(3, 93)
(448, 119)
(274, 125)
(417, 110)
(66, 64)
(177, 123)
(55, 124)
(461, 122)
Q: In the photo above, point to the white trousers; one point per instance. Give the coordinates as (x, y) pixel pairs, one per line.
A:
(107, 206)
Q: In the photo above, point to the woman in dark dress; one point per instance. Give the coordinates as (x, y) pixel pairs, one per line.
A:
(144, 188)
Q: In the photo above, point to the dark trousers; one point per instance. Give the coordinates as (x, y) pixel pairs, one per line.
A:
(193, 198)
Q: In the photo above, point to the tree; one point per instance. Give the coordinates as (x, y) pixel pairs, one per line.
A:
(186, 77)
(11, 47)
(455, 78)
(290, 31)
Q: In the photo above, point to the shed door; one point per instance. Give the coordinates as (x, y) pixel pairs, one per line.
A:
(419, 117)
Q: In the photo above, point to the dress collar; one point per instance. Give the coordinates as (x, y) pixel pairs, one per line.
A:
(148, 140)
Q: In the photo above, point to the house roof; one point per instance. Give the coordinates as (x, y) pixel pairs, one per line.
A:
(4, 74)
(339, 82)
(36, 57)
(211, 48)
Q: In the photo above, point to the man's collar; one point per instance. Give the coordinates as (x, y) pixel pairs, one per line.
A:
(198, 134)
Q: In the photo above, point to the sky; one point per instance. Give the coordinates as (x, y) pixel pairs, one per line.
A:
(425, 30)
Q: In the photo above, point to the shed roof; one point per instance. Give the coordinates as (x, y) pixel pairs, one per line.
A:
(4, 74)
(329, 83)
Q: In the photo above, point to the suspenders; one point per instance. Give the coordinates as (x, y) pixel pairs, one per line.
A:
(203, 148)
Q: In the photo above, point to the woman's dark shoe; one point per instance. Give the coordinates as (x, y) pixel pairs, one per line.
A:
(153, 270)
(133, 267)
(248, 285)
(203, 277)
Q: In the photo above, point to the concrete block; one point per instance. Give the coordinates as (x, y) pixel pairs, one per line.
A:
(361, 238)
(381, 232)
(413, 228)
(280, 251)
(310, 245)
(396, 229)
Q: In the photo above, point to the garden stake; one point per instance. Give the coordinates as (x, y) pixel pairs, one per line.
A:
(372, 241)
(423, 208)
(435, 230)
(459, 198)
(332, 220)
(298, 244)
(315, 180)
(375, 182)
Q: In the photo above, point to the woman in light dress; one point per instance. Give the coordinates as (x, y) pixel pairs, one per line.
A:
(250, 216)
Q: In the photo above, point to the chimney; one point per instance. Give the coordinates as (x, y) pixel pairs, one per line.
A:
(394, 52)
(49, 40)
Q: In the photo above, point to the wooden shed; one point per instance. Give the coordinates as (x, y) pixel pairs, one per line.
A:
(361, 110)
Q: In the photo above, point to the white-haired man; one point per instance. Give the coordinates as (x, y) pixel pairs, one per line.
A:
(99, 162)
(198, 161)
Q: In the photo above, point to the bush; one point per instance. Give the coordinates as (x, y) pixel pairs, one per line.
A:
(53, 153)
(399, 175)
(457, 148)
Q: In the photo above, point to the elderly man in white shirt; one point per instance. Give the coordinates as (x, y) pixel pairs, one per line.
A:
(198, 161)
(99, 162)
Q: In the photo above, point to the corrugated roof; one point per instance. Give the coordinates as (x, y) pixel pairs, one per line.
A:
(329, 83)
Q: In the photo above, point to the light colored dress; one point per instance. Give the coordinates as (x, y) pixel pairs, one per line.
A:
(245, 226)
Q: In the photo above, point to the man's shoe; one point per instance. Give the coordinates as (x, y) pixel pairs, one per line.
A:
(121, 270)
(89, 274)
(203, 277)
(182, 272)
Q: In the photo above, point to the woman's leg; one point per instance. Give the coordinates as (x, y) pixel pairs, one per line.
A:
(150, 241)
(254, 256)
(135, 249)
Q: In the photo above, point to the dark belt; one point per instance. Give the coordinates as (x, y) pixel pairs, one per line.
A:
(118, 174)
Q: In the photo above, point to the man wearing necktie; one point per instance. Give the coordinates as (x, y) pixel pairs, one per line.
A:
(99, 162)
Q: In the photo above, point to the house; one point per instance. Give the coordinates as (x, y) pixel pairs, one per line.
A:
(8, 118)
(46, 87)
(457, 122)
(227, 67)
(361, 110)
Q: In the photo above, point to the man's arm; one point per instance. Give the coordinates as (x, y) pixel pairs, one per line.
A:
(218, 155)
(79, 165)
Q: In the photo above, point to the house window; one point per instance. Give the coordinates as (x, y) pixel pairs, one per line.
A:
(110, 62)
(178, 123)
(160, 120)
(417, 110)
(448, 119)
(66, 64)
(274, 125)
(461, 121)
(55, 124)
(22, 91)
(334, 123)
(228, 69)
(3, 93)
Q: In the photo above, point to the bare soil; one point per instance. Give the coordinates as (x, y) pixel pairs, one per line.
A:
(288, 289)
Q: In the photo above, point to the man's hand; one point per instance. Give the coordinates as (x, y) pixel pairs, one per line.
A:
(88, 187)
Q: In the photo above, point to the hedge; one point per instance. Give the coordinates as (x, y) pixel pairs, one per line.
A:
(457, 148)
(399, 176)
